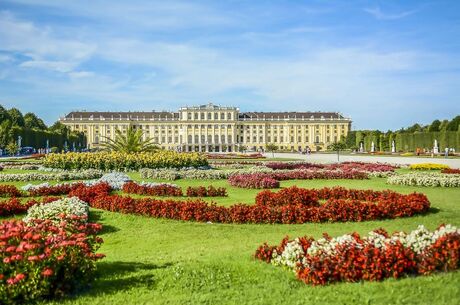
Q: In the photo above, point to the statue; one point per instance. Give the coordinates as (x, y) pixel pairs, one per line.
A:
(393, 146)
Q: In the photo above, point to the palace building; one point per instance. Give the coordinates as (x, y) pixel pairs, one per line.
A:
(212, 128)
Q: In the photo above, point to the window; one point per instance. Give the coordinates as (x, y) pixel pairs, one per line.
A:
(202, 115)
(189, 115)
(216, 139)
(196, 115)
(229, 116)
(197, 139)
(222, 139)
(209, 116)
(216, 116)
(222, 116)
(317, 139)
(229, 137)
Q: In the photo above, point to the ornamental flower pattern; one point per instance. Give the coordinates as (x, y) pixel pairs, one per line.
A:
(377, 256)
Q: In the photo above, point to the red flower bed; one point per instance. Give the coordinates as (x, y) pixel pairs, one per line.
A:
(292, 205)
(62, 189)
(371, 258)
(158, 190)
(44, 260)
(14, 206)
(344, 166)
(9, 191)
(451, 171)
(87, 193)
(290, 166)
(267, 180)
(210, 191)
(254, 181)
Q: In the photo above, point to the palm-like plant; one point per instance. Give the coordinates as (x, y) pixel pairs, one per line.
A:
(130, 142)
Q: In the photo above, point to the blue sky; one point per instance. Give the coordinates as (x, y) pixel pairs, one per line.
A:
(387, 64)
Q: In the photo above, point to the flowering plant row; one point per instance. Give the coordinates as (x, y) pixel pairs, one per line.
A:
(210, 191)
(159, 189)
(267, 180)
(171, 174)
(9, 191)
(254, 181)
(124, 161)
(235, 156)
(60, 176)
(344, 166)
(374, 257)
(428, 166)
(426, 179)
(14, 206)
(44, 260)
(68, 209)
(450, 171)
(341, 205)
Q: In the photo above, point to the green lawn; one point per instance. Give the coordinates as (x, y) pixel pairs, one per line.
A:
(157, 261)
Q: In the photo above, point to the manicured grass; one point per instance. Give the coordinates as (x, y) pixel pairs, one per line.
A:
(158, 261)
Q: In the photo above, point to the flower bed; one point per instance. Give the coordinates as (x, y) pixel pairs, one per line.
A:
(450, 171)
(343, 166)
(267, 180)
(428, 166)
(152, 189)
(341, 205)
(45, 260)
(235, 156)
(426, 179)
(109, 161)
(374, 257)
(9, 191)
(54, 211)
(14, 206)
(210, 191)
(254, 181)
(171, 174)
(60, 176)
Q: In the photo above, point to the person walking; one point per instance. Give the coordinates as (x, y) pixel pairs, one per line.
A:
(446, 152)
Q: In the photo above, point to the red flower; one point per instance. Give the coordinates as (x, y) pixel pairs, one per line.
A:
(47, 272)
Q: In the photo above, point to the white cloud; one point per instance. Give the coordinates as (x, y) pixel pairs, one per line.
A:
(380, 15)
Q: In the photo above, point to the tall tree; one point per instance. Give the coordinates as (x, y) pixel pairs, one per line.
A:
(33, 122)
(435, 126)
(16, 117)
(59, 128)
(454, 124)
(3, 114)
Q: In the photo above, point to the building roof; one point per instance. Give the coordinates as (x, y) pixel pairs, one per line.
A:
(291, 115)
(136, 115)
(147, 115)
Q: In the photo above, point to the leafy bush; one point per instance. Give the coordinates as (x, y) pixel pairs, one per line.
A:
(109, 161)
(171, 174)
(44, 260)
(374, 257)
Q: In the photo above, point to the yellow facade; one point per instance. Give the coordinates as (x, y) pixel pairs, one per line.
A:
(211, 128)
